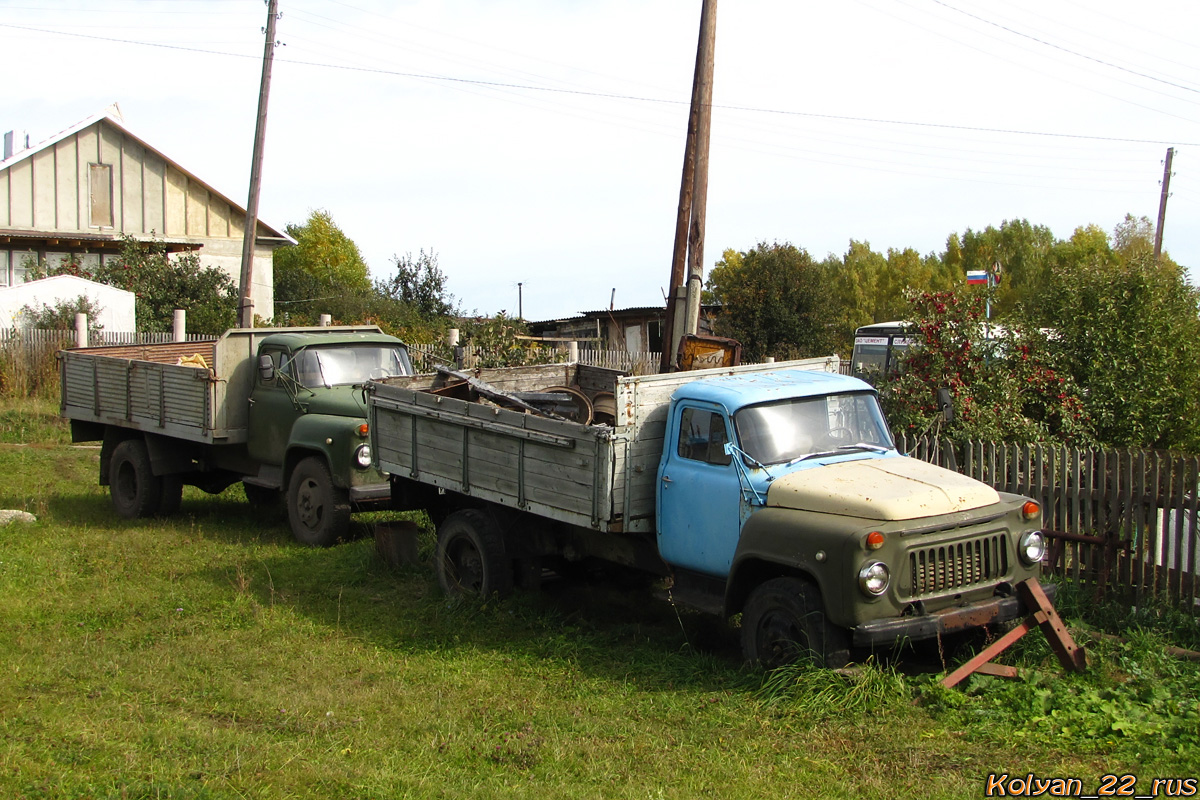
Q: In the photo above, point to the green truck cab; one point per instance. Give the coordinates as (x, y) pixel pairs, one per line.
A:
(281, 410)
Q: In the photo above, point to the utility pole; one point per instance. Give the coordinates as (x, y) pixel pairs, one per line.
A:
(246, 285)
(693, 192)
(1162, 203)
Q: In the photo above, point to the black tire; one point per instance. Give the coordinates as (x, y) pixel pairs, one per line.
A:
(784, 621)
(471, 558)
(261, 496)
(171, 496)
(135, 490)
(318, 511)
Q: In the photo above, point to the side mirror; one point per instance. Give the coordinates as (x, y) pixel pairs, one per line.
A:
(945, 402)
(266, 368)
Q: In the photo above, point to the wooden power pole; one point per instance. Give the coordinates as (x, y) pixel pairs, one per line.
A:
(246, 285)
(1162, 204)
(693, 192)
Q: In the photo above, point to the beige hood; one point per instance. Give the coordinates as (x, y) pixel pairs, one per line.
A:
(880, 488)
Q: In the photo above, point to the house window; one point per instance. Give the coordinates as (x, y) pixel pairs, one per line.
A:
(100, 184)
(5, 279)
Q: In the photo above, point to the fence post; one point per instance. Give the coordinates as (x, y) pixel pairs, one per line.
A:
(179, 326)
(81, 330)
(572, 352)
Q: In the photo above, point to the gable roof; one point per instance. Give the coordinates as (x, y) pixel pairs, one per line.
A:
(112, 116)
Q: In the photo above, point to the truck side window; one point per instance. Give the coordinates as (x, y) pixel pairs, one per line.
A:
(278, 358)
(702, 436)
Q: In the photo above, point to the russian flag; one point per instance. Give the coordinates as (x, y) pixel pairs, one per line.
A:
(977, 277)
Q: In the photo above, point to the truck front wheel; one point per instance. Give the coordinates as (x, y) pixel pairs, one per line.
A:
(784, 621)
(318, 511)
(471, 557)
(134, 488)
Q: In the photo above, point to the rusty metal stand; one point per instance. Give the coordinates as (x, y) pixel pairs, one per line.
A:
(1070, 655)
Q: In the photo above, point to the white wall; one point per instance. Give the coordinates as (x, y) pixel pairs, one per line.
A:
(117, 304)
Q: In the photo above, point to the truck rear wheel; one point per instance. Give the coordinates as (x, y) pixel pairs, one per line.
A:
(134, 488)
(471, 557)
(318, 511)
(785, 622)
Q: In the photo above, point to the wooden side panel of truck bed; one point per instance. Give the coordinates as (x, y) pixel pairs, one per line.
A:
(556, 469)
(150, 396)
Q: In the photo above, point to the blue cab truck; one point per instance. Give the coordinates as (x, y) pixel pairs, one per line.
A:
(771, 495)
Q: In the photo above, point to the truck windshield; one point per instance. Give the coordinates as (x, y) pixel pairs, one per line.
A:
(342, 365)
(788, 430)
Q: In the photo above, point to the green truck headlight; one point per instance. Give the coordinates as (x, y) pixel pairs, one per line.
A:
(1032, 547)
(362, 456)
(873, 578)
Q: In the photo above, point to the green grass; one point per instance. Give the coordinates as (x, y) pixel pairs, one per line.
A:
(207, 656)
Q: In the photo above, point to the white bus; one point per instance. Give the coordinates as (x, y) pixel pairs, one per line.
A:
(877, 347)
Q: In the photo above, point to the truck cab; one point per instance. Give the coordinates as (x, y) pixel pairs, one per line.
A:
(307, 427)
(781, 497)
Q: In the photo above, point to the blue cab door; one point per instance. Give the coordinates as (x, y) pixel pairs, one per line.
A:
(699, 496)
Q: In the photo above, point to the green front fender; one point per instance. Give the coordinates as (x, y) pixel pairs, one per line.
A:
(336, 439)
(784, 541)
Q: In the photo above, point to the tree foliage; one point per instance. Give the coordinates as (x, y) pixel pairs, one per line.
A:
(419, 283)
(775, 301)
(323, 273)
(61, 316)
(1129, 329)
(162, 282)
(1005, 384)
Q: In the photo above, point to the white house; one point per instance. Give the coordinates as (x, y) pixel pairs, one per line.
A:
(80, 191)
(117, 305)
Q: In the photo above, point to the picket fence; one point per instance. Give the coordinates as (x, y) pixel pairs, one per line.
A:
(1116, 518)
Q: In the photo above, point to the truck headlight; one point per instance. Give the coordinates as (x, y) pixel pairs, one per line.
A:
(1032, 547)
(362, 456)
(873, 578)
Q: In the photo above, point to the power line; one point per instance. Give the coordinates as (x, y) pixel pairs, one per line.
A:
(1077, 54)
(610, 95)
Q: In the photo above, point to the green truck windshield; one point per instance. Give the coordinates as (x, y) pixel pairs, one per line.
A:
(344, 365)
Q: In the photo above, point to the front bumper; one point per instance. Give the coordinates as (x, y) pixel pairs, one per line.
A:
(940, 623)
(371, 493)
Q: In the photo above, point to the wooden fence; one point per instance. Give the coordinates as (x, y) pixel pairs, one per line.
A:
(1116, 518)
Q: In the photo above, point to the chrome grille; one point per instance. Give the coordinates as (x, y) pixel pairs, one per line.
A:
(956, 564)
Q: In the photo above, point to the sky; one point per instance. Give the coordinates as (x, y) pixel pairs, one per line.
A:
(536, 146)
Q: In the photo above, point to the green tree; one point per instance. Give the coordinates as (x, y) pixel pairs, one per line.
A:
(420, 283)
(323, 273)
(1022, 250)
(1129, 328)
(162, 282)
(61, 316)
(1004, 389)
(775, 300)
(870, 287)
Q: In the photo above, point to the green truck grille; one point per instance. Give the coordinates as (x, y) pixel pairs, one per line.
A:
(957, 564)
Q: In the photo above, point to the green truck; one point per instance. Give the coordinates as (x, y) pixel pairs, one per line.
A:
(280, 409)
(771, 493)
